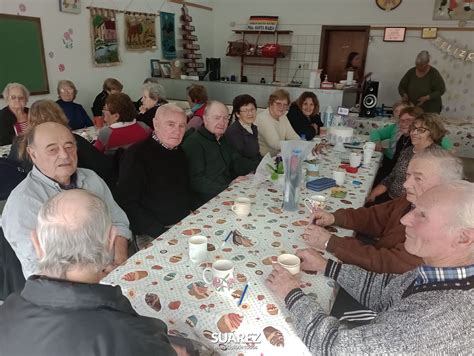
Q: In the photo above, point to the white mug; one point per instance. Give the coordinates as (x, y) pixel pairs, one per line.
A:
(315, 202)
(197, 248)
(222, 276)
(242, 206)
(355, 159)
(369, 146)
(339, 176)
(290, 262)
(367, 157)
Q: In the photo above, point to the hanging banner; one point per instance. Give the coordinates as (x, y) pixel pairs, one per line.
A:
(139, 31)
(168, 40)
(104, 36)
(453, 49)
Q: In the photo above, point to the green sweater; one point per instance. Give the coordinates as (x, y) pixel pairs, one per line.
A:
(431, 84)
(213, 164)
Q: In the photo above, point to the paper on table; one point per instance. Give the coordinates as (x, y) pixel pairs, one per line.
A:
(262, 173)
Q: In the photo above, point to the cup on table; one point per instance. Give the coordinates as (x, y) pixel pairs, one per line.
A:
(312, 170)
(369, 148)
(315, 202)
(355, 159)
(98, 121)
(323, 131)
(222, 272)
(242, 206)
(197, 248)
(290, 262)
(339, 175)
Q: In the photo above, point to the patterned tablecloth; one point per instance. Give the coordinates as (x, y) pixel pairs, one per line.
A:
(160, 281)
(461, 134)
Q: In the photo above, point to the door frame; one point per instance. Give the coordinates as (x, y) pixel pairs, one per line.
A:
(324, 44)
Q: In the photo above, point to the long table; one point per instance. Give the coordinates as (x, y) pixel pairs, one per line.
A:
(160, 281)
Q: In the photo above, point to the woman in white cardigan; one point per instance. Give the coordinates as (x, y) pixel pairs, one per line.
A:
(273, 125)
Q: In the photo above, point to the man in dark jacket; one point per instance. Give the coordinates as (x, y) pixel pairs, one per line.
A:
(213, 162)
(64, 310)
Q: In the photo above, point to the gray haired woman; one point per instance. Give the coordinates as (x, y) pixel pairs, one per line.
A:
(14, 116)
(423, 85)
(153, 96)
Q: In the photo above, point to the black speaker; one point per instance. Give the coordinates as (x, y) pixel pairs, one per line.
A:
(368, 101)
(213, 68)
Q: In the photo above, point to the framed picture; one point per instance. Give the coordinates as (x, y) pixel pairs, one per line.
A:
(165, 68)
(155, 68)
(70, 6)
(429, 32)
(394, 34)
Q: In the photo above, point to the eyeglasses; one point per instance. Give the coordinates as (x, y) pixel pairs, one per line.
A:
(248, 111)
(66, 90)
(280, 104)
(105, 110)
(17, 97)
(419, 130)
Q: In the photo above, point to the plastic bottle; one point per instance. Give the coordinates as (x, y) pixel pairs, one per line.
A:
(314, 79)
(328, 116)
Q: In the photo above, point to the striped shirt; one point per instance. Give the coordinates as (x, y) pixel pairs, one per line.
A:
(20, 127)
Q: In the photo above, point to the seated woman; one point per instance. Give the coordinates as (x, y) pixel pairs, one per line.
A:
(153, 96)
(122, 129)
(88, 157)
(426, 133)
(110, 86)
(273, 125)
(75, 113)
(242, 133)
(353, 63)
(304, 115)
(197, 98)
(14, 116)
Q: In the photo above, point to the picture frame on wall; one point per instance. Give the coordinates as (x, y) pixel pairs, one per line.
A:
(165, 68)
(155, 68)
(70, 6)
(429, 32)
(394, 34)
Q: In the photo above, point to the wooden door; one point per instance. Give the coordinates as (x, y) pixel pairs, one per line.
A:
(336, 44)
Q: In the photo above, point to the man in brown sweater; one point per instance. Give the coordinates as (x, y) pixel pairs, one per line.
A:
(387, 253)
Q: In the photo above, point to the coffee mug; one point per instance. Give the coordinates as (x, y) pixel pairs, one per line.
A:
(315, 202)
(222, 276)
(355, 159)
(98, 121)
(290, 262)
(369, 146)
(242, 206)
(367, 158)
(197, 248)
(339, 176)
(312, 170)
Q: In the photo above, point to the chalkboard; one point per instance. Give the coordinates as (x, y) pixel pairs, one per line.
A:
(22, 59)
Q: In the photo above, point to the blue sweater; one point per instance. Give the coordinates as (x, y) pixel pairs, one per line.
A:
(76, 114)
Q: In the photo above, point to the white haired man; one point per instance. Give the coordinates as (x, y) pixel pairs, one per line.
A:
(53, 150)
(428, 309)
(64, 310)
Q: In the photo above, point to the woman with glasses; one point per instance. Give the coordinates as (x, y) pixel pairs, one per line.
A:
(273, 125)
(242, 133)
(76, 115)
(426, 133)
(14, 116)
(304, 115)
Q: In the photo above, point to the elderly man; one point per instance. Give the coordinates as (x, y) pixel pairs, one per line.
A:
(428, 309)
(52, 149)
(64, 310)
(213, 162)
(386, 254)
(153, 185)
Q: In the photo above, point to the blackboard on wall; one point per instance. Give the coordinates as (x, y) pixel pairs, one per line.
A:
(22, 59)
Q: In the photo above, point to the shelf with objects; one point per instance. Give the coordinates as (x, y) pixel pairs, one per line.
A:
(192, 66)
(244, 48)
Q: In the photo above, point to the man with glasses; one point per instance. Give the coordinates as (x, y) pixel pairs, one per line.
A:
(213, 162)
(14, 116)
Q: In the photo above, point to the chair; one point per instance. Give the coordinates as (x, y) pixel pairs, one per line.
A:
(11, 275)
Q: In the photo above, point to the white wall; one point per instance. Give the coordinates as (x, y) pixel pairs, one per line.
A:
(388, 61)
(135, 66)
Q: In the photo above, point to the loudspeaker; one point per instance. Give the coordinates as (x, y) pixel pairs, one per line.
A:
(368, 101)
(213, 68)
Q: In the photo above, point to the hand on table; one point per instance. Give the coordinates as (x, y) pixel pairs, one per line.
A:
(311, 260)
(378, 190)
(316, 236)
(281, 282)
(239, 179)
(422, 99)
(321, 217)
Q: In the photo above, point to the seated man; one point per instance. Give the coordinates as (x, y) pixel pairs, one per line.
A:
(153, 185)
(382, 222)
(213, 162)
(428, 309)
(64, 310)
(53, 151)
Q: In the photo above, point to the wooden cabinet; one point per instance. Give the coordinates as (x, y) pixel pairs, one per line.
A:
(251, 43)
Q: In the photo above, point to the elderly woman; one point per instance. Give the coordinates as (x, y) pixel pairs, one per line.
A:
(426, 133)
(423, 85)
(153, 96)
(110, 86)
(273, 125)
(304, 115)
(75, 113)
(14, 116)
(122, 129)
(197, 99)
(242, 133)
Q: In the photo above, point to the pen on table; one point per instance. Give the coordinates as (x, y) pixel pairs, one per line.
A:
(243, 295)
(228, 236)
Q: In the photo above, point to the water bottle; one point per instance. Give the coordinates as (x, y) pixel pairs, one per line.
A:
(328, 116)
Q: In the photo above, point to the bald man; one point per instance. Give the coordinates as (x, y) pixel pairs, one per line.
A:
(52, 149)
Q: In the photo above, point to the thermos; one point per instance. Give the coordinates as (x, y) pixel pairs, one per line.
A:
(328, 116)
